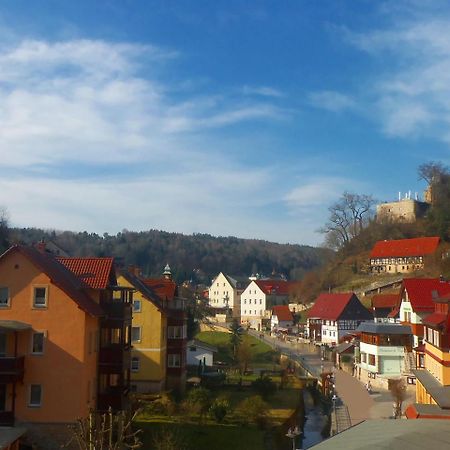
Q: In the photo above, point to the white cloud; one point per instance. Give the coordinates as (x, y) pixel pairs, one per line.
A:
(264, 91)
(331, 101)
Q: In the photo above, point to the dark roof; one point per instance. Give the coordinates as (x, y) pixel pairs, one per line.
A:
(405, 247)
(197, 343)
(339, 306)
(385, 434)
(343, 347)
(60, 276)
(384, 328)
(440, 393)
(146, 290)
(97, 273)
(422, 292)
(14, 325)
(282, 312)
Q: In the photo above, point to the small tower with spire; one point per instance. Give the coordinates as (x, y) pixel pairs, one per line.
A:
(167, 272)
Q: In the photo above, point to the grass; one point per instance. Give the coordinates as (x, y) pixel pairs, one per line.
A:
(262, 353)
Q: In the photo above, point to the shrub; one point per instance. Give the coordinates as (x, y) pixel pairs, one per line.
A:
(264, 386)
(253, 410)
(219, 409)
(199, 400)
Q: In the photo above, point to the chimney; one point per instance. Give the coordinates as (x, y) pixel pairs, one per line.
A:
(41, 245)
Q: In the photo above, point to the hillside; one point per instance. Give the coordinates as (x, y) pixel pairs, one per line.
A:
(197, 257)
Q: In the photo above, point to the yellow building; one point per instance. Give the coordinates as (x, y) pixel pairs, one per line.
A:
(148, 337)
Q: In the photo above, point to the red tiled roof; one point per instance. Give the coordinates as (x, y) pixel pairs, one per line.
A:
(282, 312)
(143, 288)
(164, 288)
(330, 306)
(405, 247)
(60, 276)
(395, 312)
(422, 291)
(435, 319)
(97, 273)
(277, 287)
(385, 300)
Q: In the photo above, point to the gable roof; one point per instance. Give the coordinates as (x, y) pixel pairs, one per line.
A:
(385, 300)
(422, 292)
(405, 247)
(60, 276)
(164, 288)
(97, 273)
(330, 306)
(282, 312)
(144, 289)
(274, 287)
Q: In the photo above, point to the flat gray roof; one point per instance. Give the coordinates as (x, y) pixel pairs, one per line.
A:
(384, 328)
(440, 393)
(9, 434)
(391, 434)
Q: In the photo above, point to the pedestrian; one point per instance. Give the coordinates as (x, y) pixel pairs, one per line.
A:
(369, 387)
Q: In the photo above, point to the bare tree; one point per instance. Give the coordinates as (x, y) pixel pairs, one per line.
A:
(348, 216)
(432, 171)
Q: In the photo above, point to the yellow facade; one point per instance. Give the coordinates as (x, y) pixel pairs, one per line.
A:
(422, 395)
(148, 369)
(436, 366)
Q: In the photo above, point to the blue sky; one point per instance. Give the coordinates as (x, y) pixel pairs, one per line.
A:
(224, 117)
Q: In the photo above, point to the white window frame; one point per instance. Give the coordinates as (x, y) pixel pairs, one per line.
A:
(33, 293)
(8, 298)
(44, 335)
(140, 334)
(140, 306)
(35, 405)
(136, 367)
(172, 359)
(175, 332)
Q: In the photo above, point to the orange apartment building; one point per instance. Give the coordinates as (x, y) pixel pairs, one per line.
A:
(64, 337)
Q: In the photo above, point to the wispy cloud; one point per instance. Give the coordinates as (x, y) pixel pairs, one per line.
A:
(264, 91)
(331, 101)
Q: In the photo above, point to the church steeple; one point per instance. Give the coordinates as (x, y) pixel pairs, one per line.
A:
(167, 272)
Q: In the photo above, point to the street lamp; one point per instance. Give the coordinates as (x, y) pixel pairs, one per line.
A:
(292, 433)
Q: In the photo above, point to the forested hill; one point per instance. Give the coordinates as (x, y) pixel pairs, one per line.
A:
(198, 256)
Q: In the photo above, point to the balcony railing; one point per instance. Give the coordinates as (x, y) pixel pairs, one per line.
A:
(6, 419)
(114, 397)
(117, 310)
(11, 369)
(114, 358)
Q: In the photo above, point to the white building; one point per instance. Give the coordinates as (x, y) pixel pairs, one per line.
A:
(282, 318)
(224, 293)
(258, 299)
(197, 351)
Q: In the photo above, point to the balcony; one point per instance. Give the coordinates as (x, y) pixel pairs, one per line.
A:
(115, 397)
(6, 419)
(11, 369)
(114, 359)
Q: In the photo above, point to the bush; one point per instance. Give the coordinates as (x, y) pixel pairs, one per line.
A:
(219, 409)
(198, 401)
(163, 405)
(253, 410)
(264, 386)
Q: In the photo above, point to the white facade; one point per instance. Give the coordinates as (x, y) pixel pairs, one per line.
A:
(382, 360)
(196, 353)
(275, 323)
(222, 294)
(330, 332)
(253, 306)
(408, 315)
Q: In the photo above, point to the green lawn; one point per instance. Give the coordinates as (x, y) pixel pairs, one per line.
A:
(195, 436)
(262, 354)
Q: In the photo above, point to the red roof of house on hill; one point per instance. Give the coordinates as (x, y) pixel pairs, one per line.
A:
(282, 312)
(97, 273)
(277, 287)
(385, 300)
(164, 288)
(330, 306)
(422, 291)
(59, 275)
(405, 247)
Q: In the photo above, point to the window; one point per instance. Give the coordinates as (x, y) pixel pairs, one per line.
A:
(35, 399)
(371, 360)
(192, 349)
(135, 363)
(260, 301)
(363, 357)
(4, 297)
(135, 334)
(40, 297)
(37, 343)
(136, 306)
(174, 360)
(175, 332)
